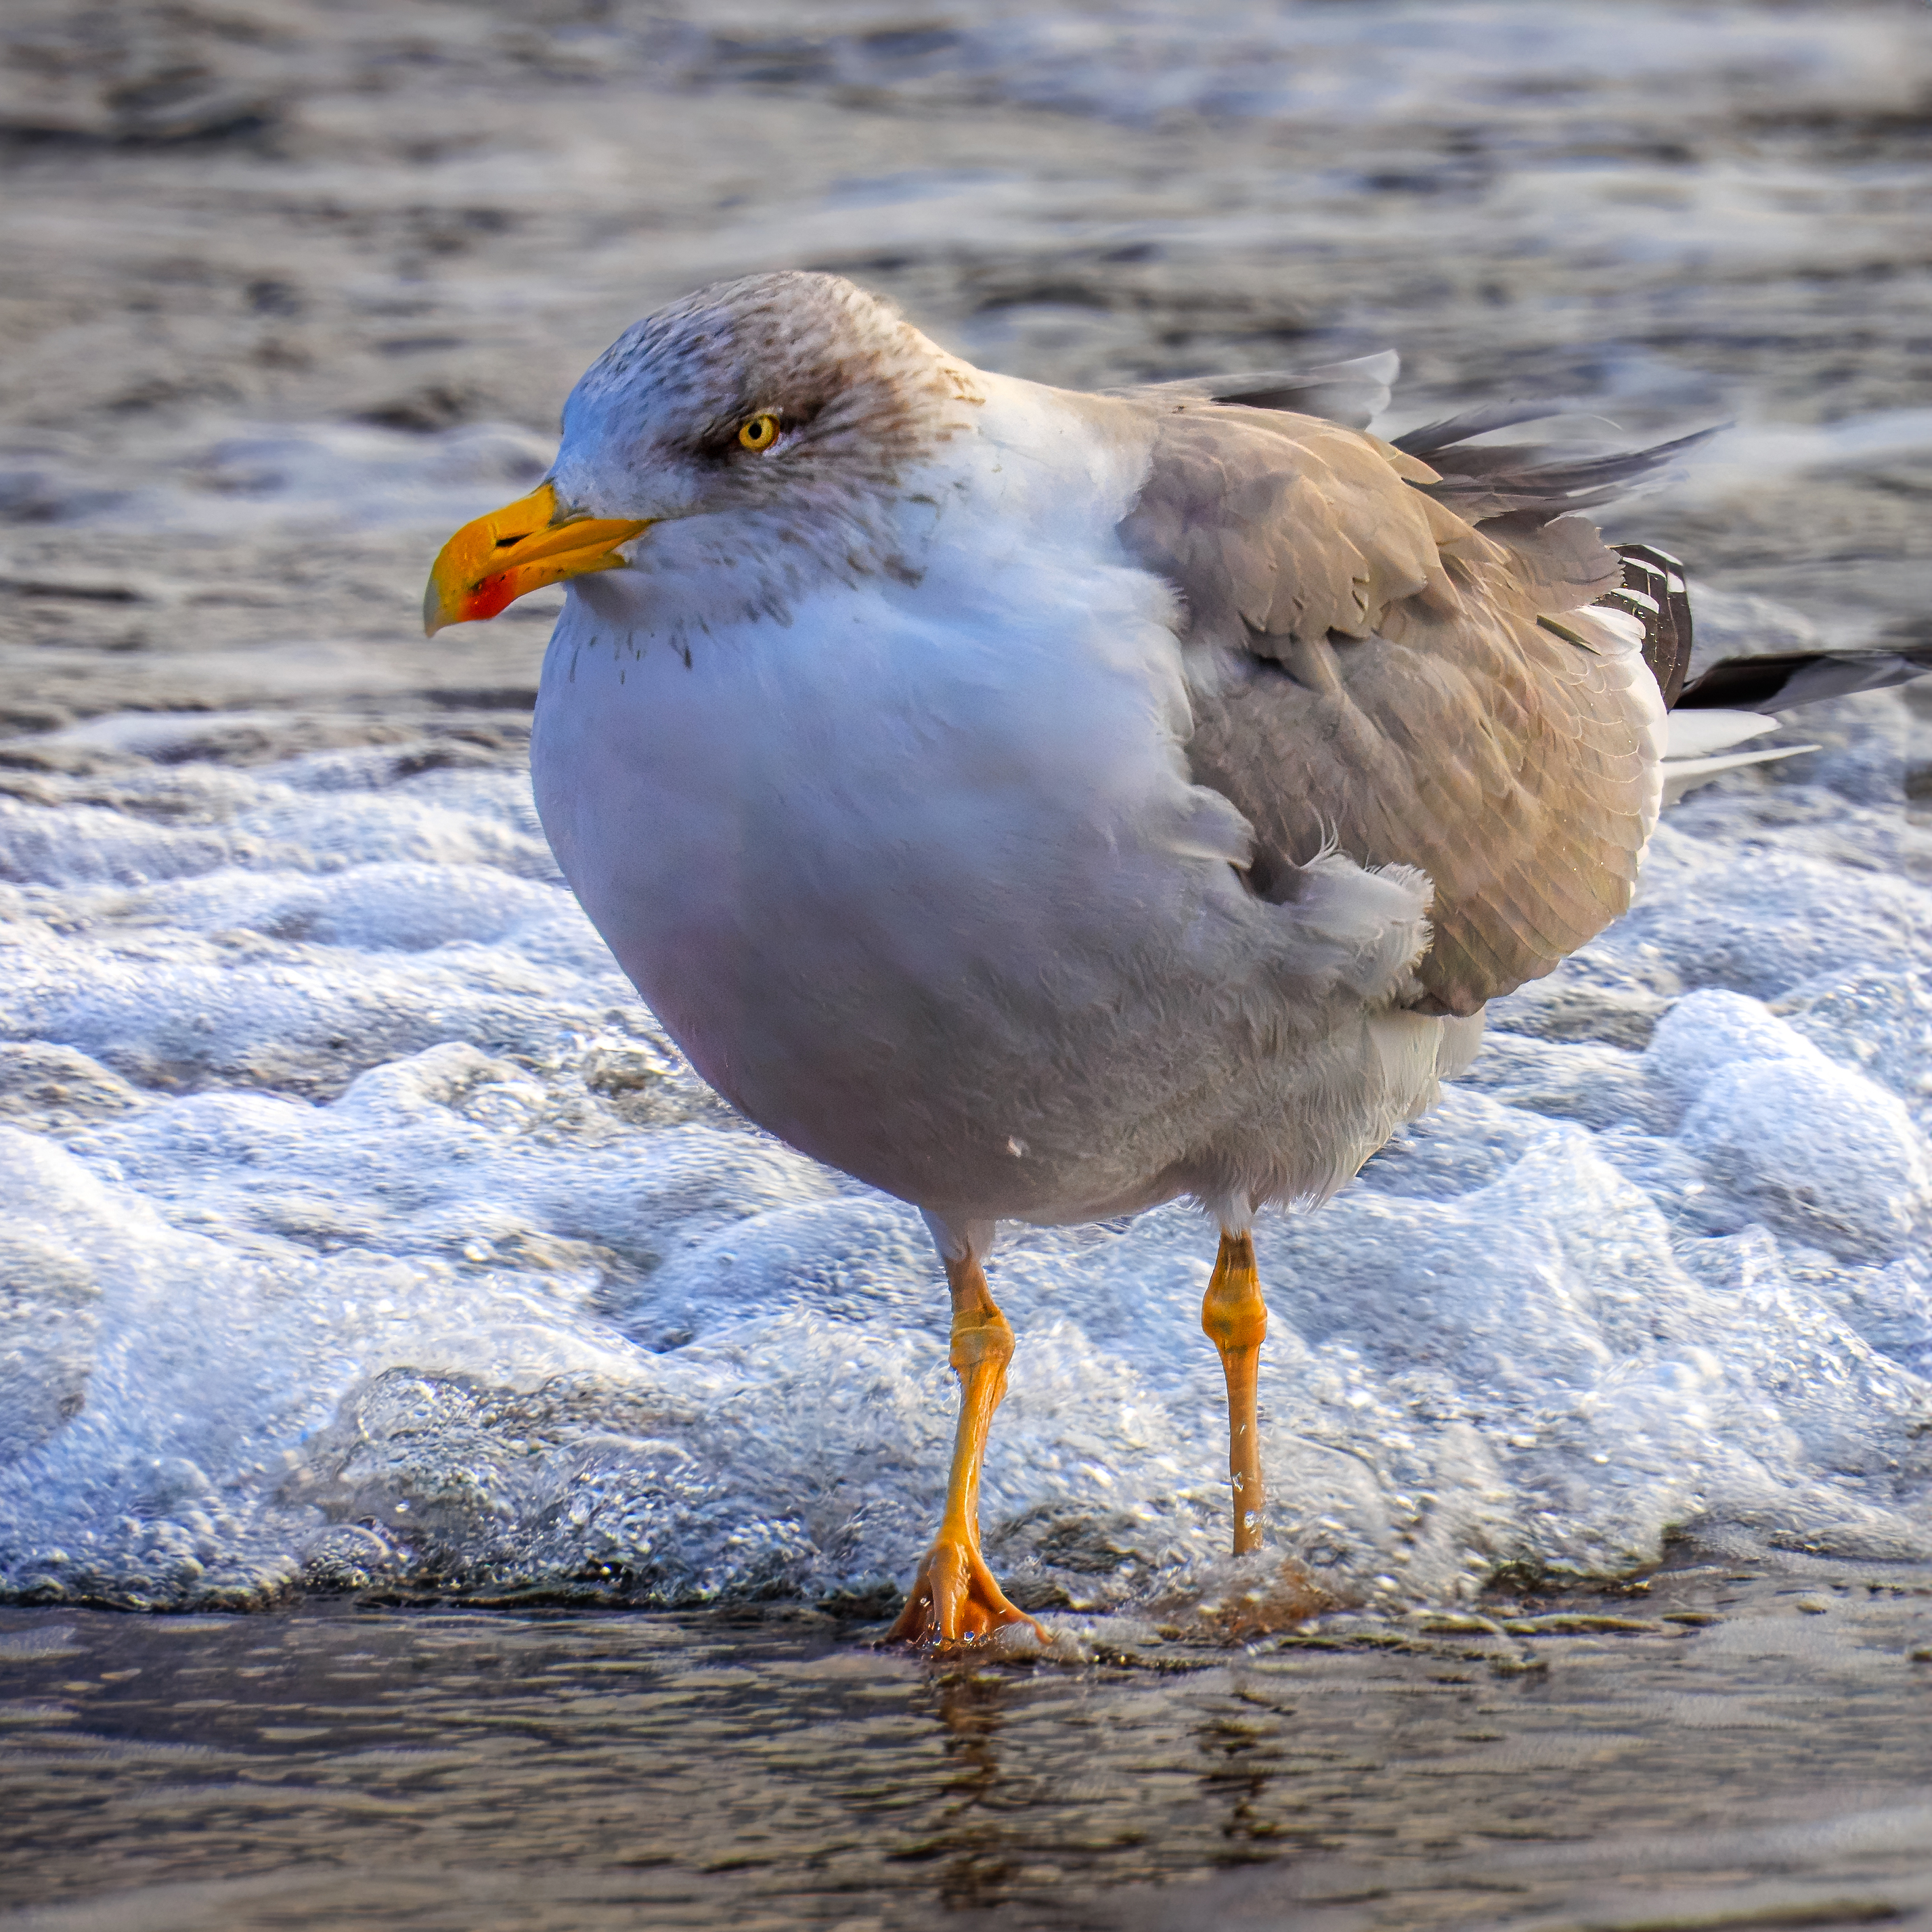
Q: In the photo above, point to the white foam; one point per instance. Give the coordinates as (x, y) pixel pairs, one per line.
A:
(436, 1263)
(1819, 1147)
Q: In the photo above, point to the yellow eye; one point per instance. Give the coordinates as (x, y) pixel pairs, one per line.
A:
(759, 432)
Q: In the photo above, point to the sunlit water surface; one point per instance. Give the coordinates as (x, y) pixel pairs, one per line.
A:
(1714, 1751)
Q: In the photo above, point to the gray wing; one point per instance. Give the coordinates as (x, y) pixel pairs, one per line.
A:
(1395, 681)
(1353, 392)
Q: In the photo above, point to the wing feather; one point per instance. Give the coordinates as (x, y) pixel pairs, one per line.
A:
(1382, 683)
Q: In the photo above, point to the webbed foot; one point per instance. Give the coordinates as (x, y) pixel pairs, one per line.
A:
(955, 1601)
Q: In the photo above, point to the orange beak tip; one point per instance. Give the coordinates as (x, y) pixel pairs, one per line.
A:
(523, 546)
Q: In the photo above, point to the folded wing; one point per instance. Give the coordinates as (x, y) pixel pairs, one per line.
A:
(1398, 661)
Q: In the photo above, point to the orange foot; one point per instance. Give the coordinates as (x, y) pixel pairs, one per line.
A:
(955, 1601)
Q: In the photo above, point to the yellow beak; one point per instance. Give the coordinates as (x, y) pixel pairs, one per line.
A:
(489, 564)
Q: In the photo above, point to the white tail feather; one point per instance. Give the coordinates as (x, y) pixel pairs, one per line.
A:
(1683, 774)
(1696, 734)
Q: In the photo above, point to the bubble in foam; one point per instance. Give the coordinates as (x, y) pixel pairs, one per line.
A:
(382, 1238)
(1824, 1151)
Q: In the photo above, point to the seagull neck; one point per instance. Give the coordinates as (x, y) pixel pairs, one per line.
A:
(1050, 458)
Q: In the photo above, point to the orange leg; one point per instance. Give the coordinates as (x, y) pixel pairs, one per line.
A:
(1235, 1318)
(954, 1597)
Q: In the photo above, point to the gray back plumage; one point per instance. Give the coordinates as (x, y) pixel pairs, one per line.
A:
(1392, 675)
(1353, 393)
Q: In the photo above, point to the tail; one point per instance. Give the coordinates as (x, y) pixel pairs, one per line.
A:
(1736, 698)
(1527, 494)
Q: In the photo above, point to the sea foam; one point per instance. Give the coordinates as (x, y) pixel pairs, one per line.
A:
(364, 1229)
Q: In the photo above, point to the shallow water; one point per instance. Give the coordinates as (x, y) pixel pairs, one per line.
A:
(1715, 1751)
(364, 1234)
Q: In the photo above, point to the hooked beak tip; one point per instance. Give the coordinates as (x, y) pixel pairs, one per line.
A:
(489, 563)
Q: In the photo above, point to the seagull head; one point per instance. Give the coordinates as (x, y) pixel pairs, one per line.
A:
(750, 439)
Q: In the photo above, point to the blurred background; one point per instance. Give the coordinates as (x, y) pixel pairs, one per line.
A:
(291, 285)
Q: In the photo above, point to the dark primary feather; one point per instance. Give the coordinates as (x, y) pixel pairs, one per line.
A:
(1788, 679)
(1653, 591)
(1352, 393)
(1492, 479)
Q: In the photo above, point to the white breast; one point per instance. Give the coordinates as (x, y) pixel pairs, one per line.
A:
(918, 878)
(862, 863)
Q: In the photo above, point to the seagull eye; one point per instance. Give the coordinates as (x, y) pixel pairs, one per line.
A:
(758, 432)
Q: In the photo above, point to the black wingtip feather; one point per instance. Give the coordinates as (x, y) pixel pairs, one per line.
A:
(1653, 591)
(1784, 680)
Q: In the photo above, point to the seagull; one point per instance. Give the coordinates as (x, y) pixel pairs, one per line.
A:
(1041, 805)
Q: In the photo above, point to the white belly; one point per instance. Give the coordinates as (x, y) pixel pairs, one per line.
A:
(912, 881)
(920, 881)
